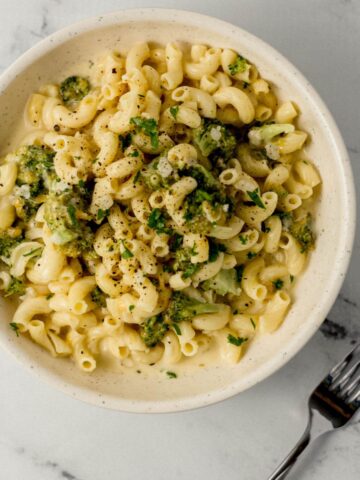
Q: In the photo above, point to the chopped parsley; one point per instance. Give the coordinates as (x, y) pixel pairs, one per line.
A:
(171, 374)
(278, 284)
(255, 197)
(239, 66)
(131, 308)
(243, 239)
(101, 214)
(149, 126)
(214, 250)
(135, 153)
(125, 141)
(174, 111)
(239, 272)
(126, 254)
(15, 327)
(237, 341)
(251, 255)
(253, 323)
(157, 221)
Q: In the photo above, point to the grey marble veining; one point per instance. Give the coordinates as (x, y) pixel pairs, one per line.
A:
(47, 436)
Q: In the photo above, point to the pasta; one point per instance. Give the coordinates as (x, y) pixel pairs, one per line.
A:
(156, 211)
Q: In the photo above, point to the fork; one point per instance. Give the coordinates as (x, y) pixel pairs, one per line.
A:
(331, 405)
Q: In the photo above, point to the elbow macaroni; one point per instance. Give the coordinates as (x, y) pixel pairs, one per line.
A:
(135, 193)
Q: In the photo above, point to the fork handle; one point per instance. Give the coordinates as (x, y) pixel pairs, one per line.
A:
(286, 465)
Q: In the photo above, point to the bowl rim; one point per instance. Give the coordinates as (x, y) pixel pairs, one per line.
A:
(334, 283)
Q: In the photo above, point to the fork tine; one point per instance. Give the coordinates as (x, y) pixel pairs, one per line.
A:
(351, 384)
(355, 395)
(351, 363)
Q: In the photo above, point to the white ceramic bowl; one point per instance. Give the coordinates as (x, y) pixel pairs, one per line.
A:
(316, 290)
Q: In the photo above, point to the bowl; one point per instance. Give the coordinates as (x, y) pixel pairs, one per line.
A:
(318, 287)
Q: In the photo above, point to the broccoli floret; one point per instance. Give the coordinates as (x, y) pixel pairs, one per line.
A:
(183, 308)
(7, 244)
(16, 287)
(239, 66)
(302, 231)
(225, 281)
(72, 235)
(152, 178)
(260, 136)
(182, 262)
(205, 179)
(35, 173)
(153, 330)
(35, 162)
(98, 297)
(74, 88)
(213, 138)
(196, 221)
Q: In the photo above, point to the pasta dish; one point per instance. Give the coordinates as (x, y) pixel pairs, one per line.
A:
(157, 208)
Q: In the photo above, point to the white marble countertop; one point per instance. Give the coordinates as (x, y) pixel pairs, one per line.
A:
(46, 436)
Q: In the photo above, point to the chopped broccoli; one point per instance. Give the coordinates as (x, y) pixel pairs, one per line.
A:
(239, 66)
(73, 89)
(259, 136)
(175, 242)
(98, 297)
(34, 162)
(196, 221)
(152, 178)
(153, 330)
(73, 236)
(182, 262)
(213, 138)
(16, 287)
(183, 308)
(215, 249)
(205, 179)
(302, 231)
(149, 126)
(7, 244)
(35, 173)
(225, 281)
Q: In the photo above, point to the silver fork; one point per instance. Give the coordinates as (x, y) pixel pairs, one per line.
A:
(331, 405)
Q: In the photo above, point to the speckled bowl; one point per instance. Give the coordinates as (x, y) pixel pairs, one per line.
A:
(316, 290)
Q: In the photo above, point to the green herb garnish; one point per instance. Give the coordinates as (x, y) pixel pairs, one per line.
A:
(174, 111)
(237, 341)
(256, 198)
(149, 126)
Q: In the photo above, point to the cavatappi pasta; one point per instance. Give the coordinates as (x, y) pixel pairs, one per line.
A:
(155, 210)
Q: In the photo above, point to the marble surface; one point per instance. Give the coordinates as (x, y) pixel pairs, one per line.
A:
(46, 436)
